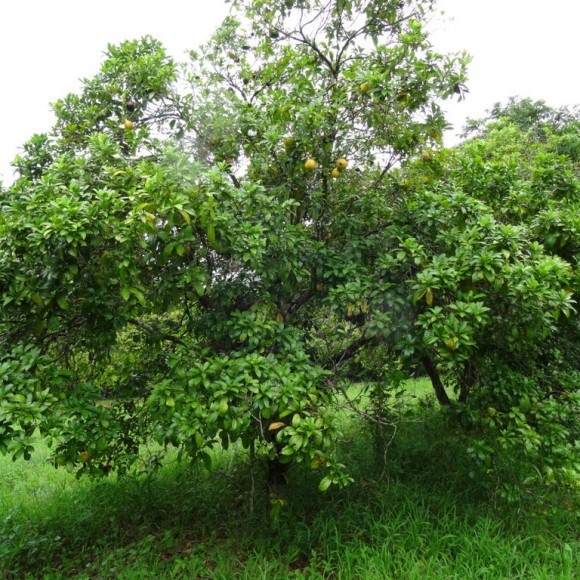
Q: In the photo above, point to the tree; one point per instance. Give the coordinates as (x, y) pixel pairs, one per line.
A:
(160, 277)
(209, 236)
(497, 229)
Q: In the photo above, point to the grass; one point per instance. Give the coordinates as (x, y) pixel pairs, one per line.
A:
(411, 513)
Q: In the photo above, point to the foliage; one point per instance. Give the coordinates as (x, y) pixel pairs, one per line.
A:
(203, 266)
(190, 522)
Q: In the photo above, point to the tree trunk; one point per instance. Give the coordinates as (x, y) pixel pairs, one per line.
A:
(467, 381)
(438, 387)
(277, 479)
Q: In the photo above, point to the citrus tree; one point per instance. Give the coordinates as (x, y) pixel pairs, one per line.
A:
(197, 255)
(164, 250)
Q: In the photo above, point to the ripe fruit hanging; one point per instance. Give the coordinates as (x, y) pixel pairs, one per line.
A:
(335, 173)
(341, 164)
(364, 88)
(310, 164)
(128, 125)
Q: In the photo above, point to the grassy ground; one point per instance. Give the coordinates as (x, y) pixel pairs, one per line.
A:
(411, 513)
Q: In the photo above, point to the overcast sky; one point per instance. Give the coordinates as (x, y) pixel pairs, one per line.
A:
(519, 47)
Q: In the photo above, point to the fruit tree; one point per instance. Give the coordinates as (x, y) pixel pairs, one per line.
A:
(199, 255)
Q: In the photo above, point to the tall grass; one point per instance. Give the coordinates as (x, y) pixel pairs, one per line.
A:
(413, 512)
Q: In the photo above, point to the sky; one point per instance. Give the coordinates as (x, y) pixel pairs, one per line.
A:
(523, 48)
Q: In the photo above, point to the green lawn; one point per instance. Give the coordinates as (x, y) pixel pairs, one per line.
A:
(413, 512)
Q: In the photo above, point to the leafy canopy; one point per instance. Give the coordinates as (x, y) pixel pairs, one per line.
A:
(202, 254)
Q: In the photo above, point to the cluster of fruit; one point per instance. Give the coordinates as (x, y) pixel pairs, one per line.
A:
(311, 164)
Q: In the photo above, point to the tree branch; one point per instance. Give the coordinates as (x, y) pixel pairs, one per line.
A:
(349, 351)
(301, 300)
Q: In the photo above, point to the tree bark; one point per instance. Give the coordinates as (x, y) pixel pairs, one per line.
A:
(466, 382)
(438, 387)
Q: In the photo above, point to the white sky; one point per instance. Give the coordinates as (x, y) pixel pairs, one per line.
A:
(520, 47)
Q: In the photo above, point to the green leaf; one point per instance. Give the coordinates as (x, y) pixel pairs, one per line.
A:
(206, 458)
(63, 303)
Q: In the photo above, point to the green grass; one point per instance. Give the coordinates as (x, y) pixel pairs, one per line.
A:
(411, 513)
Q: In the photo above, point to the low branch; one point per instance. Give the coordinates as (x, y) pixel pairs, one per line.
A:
(349, 351)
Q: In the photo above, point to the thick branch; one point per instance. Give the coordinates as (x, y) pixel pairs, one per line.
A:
(349, 351)
(301, 300)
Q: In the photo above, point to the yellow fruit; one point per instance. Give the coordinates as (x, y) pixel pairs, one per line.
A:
(85, 456)
(335, 173)
(310, 164)
(341, 164)
(364, 88)
(128, 124)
